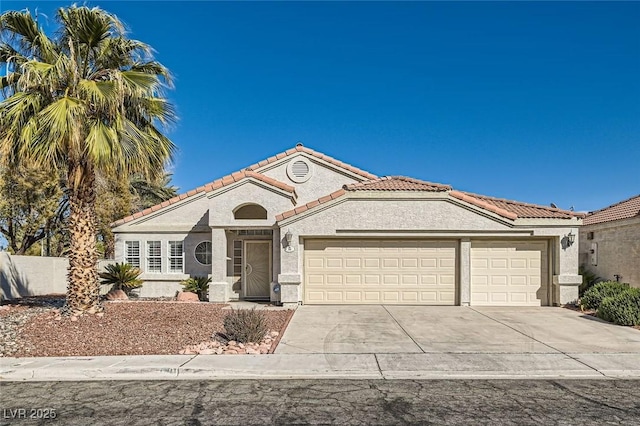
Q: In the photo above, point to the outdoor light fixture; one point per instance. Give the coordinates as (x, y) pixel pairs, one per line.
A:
(571, 238)
(287, 237)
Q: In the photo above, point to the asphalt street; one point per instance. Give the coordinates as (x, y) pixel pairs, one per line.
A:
(357, 402)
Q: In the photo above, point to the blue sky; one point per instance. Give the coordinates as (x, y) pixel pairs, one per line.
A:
(538, 102)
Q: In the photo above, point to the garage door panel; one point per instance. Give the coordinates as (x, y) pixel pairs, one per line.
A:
(509, 273)
(380, 271)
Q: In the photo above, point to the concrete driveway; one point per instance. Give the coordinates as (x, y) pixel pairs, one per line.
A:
(412, 339)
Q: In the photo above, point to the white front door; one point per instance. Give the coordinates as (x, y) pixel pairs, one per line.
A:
(257, 269)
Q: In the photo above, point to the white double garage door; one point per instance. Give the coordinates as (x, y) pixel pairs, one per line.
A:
(423, 272)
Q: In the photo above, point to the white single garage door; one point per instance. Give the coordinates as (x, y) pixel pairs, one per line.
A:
(363, 271)
(509, 273)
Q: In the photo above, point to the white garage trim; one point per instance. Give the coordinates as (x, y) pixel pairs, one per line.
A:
(380, 271)
(509, 273)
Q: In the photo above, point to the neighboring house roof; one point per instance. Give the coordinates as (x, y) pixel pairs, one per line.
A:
(216, 184)
(623, 210)
(300, 148)
(505, 208)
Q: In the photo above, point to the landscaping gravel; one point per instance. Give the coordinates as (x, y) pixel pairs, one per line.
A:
(126, 328)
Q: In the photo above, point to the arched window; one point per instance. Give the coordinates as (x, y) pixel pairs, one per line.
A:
(250, 211)
(202, 253)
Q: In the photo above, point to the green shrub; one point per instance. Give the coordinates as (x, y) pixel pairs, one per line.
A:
(594, 296)
(623, 309)
(197, 285)
(245, 325)
(122, 276)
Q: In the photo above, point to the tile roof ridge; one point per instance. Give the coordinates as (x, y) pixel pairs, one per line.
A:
(301, 148)
(365, 183)
(461, 195)
(420, 181)
(521, 203)
(615, 205)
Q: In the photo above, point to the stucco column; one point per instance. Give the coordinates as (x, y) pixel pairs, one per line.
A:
(567, 280)
(219, 287)
(465, 272)
(290, 278)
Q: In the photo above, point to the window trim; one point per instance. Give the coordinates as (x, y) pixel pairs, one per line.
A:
(149, 257)
(171, 257)
(126, 253)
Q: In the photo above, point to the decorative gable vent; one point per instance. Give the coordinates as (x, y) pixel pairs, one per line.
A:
(299, 170)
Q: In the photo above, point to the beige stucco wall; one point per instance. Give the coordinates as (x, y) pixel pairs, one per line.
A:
(165, 283)
(182, 216)
(223, 203)
(22, 276)
(323, 181)
(618, 250)
(363, 214)
(410, 217)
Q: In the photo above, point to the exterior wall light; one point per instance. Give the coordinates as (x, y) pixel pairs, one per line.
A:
(288, 237)
(571, 238)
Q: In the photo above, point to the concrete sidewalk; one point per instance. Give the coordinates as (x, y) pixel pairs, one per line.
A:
(324, 366)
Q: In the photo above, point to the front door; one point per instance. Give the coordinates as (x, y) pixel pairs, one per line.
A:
(257, 269)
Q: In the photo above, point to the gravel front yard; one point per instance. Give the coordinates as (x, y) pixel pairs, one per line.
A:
(30, 329)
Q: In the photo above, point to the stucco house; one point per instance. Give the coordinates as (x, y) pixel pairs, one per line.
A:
(302, 227)
(610, 242)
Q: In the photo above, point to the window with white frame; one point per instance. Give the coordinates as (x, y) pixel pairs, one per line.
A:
(176, 257)
(154, 256)
(132, 253)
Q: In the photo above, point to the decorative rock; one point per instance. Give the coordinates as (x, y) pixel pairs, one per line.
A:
(74, 318)
(231, 347)
(58, 318)
(117, 295)
(100, 314)
(187, 296)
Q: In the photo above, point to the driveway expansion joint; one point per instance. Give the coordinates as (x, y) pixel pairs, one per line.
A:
(539, 341)
(402, 328)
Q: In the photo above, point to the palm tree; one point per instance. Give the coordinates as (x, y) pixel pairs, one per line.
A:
(87, 101)
(148, 193)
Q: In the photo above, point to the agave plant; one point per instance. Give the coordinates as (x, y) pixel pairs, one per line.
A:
(122, 276)
(197, 285)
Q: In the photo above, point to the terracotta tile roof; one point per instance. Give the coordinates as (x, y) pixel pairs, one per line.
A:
(623, 210)
(336, 194)
(505, 208)
(216, 184)
(300, 148)
(396, 183)
(514, 209)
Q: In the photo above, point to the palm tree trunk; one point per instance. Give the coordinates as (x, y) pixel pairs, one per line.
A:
(83, 291)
